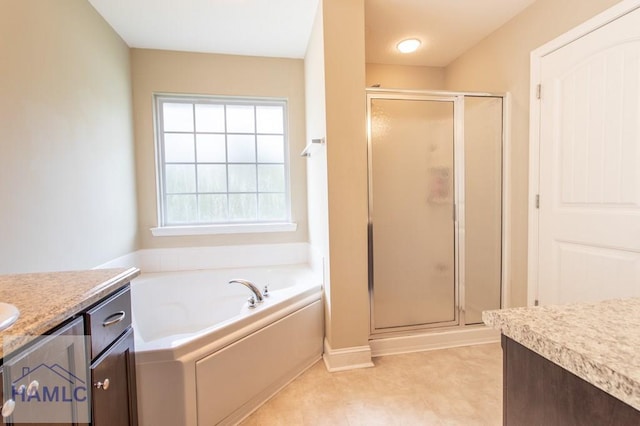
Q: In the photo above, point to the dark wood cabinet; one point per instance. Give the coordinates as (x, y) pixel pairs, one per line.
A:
(2, 393)
(113, 375)
(48, 381)
(114, 391)
(538, 392)
(103, 352)
(108, 320)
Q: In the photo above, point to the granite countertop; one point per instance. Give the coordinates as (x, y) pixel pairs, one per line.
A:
(45, 300)
(598, 342)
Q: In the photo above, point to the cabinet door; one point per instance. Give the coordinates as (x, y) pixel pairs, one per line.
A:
(114, 385)
(49, 380)
(4, 419)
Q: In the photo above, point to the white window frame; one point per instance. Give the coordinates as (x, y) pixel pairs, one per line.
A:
(227, 227)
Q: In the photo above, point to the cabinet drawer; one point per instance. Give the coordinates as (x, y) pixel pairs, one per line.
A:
(108, 320)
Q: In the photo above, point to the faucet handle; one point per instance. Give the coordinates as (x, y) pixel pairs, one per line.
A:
(265, 292)
(252, 302)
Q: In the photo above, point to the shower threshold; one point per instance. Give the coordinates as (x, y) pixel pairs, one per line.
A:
(432, 339)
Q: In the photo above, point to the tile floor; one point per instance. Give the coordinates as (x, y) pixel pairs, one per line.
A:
(459, 386)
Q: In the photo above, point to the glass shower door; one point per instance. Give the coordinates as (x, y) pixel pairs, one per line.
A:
(483, 206)
(411, 209)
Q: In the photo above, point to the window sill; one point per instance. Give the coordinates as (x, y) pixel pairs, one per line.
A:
(240, 228)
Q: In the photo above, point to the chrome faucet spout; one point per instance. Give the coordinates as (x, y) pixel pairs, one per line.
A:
(251, 286)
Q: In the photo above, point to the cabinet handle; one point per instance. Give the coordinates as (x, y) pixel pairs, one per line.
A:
(33, 388)
(28, 391)
(8, 407)
(114, 318)
(102, 385)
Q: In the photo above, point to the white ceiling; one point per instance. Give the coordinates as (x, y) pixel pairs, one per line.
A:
(281, 28)
(278, 28)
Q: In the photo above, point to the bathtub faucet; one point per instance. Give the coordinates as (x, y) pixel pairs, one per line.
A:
(251, 286)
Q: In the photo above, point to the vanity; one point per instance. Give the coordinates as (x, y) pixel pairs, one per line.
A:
(69, 358)
(576, 364)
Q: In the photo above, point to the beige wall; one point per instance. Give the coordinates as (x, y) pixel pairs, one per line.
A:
(160, 71)
(67, 191)
(405, 77)
(500, 63)
(317, 191)
(344, 73)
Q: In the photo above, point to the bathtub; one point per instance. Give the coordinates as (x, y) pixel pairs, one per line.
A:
(203, 357)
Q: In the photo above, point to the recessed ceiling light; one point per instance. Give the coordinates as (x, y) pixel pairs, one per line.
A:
(409, 45)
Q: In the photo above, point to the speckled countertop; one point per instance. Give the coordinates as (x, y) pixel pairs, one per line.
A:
(45, 300)
(598, 342)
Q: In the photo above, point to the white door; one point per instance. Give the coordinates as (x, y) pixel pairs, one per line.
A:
(589, 215)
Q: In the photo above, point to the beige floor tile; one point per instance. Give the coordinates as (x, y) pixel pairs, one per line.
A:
(450, 387)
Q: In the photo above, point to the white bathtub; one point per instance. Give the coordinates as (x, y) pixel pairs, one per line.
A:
(204, 358)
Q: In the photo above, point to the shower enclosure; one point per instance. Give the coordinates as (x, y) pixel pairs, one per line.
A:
(435, 209)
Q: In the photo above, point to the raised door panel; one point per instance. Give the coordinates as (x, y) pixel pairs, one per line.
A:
(589, 222)
(113, 379)
(49, 380)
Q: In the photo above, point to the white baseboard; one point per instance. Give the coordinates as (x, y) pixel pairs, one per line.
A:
(427, 341)
(346, 359)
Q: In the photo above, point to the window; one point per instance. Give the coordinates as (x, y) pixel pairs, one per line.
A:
(221, 160)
